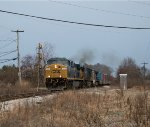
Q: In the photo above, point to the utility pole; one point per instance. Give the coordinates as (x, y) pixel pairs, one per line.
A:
(39, 64)
(18, 54)
(144, 69)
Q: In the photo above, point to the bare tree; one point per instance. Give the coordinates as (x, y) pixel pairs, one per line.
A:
(100, 67)
(48, 51)
(28, 62)
(128, 66)
(103, 68)
(28, 68)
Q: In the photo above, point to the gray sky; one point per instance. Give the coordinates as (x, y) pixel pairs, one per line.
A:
(108, 45)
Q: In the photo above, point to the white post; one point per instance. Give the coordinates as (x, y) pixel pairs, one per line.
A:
(123, 81)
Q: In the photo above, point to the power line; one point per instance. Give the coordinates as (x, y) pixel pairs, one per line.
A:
(8, 53)
(7, 44)
(7, 40)
(60, 2)
(74, 22)
(140, 2)
(102, 10)
(8, 60)
(6, 34)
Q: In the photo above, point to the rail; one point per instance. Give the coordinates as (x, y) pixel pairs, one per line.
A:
(7, 97)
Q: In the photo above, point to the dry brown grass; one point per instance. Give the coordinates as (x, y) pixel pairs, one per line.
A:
(9, 89)
(114, 108)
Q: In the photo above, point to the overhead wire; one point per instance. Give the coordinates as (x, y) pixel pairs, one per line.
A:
(102, 10)
(6, 40)
(7, 44)
(7, 60)
(140, 2)
(74, 22)
(5, 34)
(7, 53)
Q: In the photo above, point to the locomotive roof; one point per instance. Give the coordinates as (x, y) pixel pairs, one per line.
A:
(58, 58)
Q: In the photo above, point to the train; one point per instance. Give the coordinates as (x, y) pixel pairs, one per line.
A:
(62, 73)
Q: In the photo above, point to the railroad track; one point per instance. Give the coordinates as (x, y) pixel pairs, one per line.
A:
(7, 97)
(33, 93)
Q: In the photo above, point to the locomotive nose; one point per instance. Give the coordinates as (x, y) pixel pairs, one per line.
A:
(56, 71)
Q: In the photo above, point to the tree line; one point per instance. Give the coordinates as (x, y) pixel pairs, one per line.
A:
(29, 70)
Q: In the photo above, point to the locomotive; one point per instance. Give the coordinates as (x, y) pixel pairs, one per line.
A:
(62, 73)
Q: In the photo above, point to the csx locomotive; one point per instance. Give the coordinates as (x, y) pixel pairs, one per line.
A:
(63, 73)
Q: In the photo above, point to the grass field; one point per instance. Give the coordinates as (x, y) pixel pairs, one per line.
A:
(104, 108)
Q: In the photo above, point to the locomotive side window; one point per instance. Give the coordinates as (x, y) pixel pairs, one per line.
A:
(72, 63)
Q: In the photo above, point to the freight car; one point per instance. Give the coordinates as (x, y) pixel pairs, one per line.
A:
(62, 73)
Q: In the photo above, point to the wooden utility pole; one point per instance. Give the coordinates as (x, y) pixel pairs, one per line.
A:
(18, 55)
(39, 63)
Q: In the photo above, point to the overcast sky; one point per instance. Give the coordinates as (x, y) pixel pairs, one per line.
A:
(107, 45)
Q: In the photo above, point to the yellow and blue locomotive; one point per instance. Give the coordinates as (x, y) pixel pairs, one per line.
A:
(62, 73)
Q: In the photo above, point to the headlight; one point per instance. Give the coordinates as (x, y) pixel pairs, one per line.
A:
(64, 68)
(49, 76)
(55, 66)
(48, 69)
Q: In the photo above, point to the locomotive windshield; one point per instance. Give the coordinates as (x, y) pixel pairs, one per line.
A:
(58, 61)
